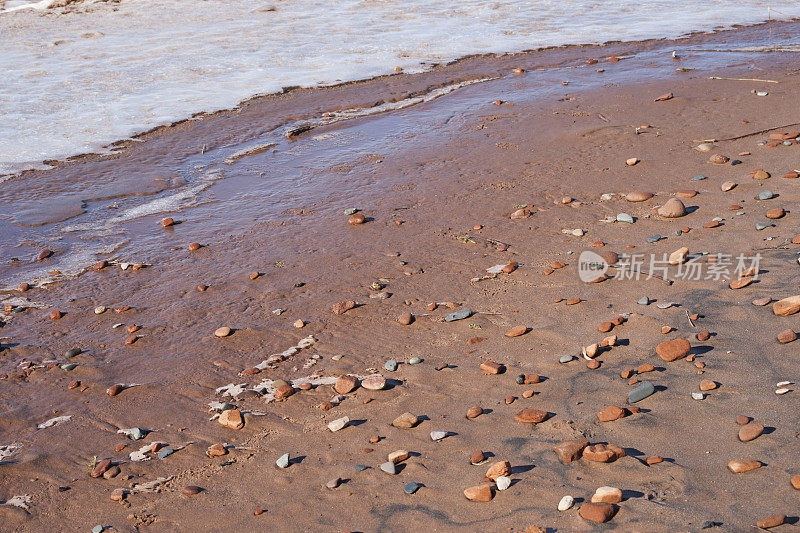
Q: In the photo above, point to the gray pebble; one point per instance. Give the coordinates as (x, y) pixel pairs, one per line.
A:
(566, 358)
(654, 238)
(68, 366)
(411, 488)
(415, 360)
(461, 314)
(389, 467)
(644, 300)
(166, 452)
(641, 392)
(763, 225)
(350, 211)
(765, 195)
(391, 365)
(335, 482)
(625, 217)
(97, 529)
(361, 468)
(699, 177)
(72, 352)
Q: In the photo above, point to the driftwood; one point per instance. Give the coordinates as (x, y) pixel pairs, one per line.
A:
(747, 134)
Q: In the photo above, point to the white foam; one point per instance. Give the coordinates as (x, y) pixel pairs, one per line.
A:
(75, 82)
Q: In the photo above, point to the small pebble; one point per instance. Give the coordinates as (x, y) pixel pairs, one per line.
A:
(411, 487)
(283, 461)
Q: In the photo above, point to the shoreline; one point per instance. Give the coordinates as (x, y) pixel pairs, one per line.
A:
(438, 183)
(518, 55)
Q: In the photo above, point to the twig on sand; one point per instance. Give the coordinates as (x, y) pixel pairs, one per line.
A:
(688, 317)
(746, 134)
(741, 79)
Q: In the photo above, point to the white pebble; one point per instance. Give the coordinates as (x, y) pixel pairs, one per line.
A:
(503, 482)
(339, 423)
(783, 383)
(124, 266)
(698, 396)
(781, 391)
(566, 503)
(99, 310)
(438, 435)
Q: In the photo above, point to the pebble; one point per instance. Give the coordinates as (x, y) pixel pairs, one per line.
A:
(638, 196)
(796, 481)
(340, 308)
(703, 336)
(458, 315)
(760, 175)
(356, 218)
(360, 468)
(350, 211)
(566, 503)
(118, 494)
(771, 521)
(672, 208)
(503, 482)
(632, 161)
(72, 352)
(398, 456)
(611, 413)
(479, 493)
(69, 366)
(491, 367)
(698, 396)
(477, 457)
(224, 331)
(728, 185)
(531, 416)
(718, 159)
(516, 331)
(405, 319)
(520, 214)
(346, 384)
(654, 460)
(167, 222)
(100, 309)
(762, 226)
(339, 423)
(216, 450)
(100, 468)
(411, 487)
(787, 306)
(191, 490)
(389, 467)
(625, 217)
(283, 461)
(750, 431)
(415, 360)
(113, 390)
(776, 213)
(673, 349)
(438, 435)
(406, 421)
(374, 382)
(607, 495)
(787, 336)
(391, 365)
(333, 483)
(597, 512)
(566, 358)
(644, 300)
(231, 418)
(765, 195)
(499, 468)
(98, 529)
(474, 412)
(570, 450)
(707, 385)
(738, 466)
(641, 392)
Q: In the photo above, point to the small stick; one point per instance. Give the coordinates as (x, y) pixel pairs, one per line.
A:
(741, 79)
(688, 317)
(746, 134)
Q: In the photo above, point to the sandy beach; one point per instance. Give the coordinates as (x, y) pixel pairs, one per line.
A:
(223, 292)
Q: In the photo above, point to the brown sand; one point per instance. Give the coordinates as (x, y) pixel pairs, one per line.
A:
(424, 177)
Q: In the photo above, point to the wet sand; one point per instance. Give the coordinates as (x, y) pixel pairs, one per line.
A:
(425, 177)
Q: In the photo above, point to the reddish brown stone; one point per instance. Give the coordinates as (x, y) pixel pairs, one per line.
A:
(216, 450)
(654, 460)
(611, 413)
(741, 283)
(531, 379)
(284, 391)
(646, 367)
(357, 218)
(599, 453)
(570, 450)
(531, 416)
(342, 307)
(346, 384)
(405, 319)
(674, 349)
(703, 335)
(490, 367)
(500, 468)
(605, 327)
(771, 521)
(750, 431)
(597, 512)
(113, 390)
(795, 481)
(477, 457)
(100, 468)
(231, 418)
(474, 412)
(739, 466)
(479, 493)
(594, 364)
(787, 336)
(516, 331)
